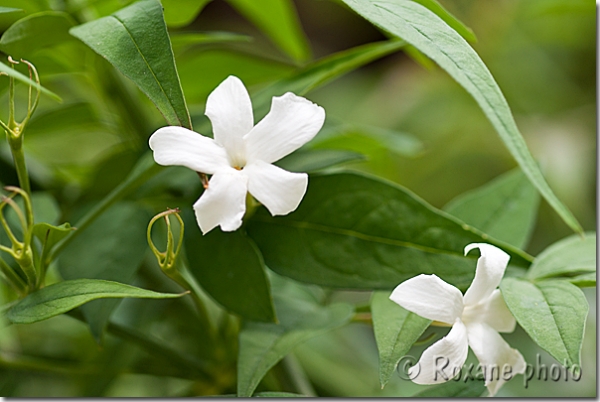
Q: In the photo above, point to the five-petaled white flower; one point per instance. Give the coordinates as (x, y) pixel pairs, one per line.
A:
(240, 156)
(476, 318)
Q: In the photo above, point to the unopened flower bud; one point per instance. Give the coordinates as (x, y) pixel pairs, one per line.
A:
(167, 260)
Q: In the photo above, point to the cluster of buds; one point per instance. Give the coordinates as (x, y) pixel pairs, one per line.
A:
(25, 278)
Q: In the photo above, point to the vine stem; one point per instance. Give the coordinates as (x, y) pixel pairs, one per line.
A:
(20, 166)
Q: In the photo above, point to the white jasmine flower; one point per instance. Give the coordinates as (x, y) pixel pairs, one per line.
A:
(240, 156)
(476, 318)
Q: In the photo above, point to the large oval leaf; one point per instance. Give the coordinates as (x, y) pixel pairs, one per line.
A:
(505, 208)
(230, 268)
(65, 296)
(352, 231)
(396, 330)
(552, 312)
(136, 42)
(567, 257)
(424, 30)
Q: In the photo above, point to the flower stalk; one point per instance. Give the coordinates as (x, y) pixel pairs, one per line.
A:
(171, 265)
(14, 130)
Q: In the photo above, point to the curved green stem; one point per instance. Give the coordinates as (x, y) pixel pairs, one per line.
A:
(16, 147)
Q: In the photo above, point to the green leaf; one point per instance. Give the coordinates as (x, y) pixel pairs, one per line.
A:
(323, 71)
(310, 161)
(584, 281)
(50, 235)
(552, 312)
(279, 21)
(136, 42)
(112, 248)
(455, 389)
(568, 257)
(449, 19)
(11, 72)
(230, 268)
(179, 13)
(352, 231)
(261, 346)
(428, 33)
(36, 31)
(505, 208)
(65, 296)
(396, 330)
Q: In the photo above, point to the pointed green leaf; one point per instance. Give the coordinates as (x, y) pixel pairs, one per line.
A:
(279, 21)
(301, 318)
(136, 42)
(230, 268)
(552, 312)
(423, 29)
(396, 330)
(65, 296)
(36, 31)
(352, 231)
(505, 208)
(567, 257)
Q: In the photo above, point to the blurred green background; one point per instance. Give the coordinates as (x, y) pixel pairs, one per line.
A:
(439, 145)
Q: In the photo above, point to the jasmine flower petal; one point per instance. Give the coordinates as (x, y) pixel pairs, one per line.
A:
(178, 146)
(230, 111)
(291, 123)
(490, 270)
(277, 189)
(430, 297)
(443, 360)
(223, 203)
(493, 353)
